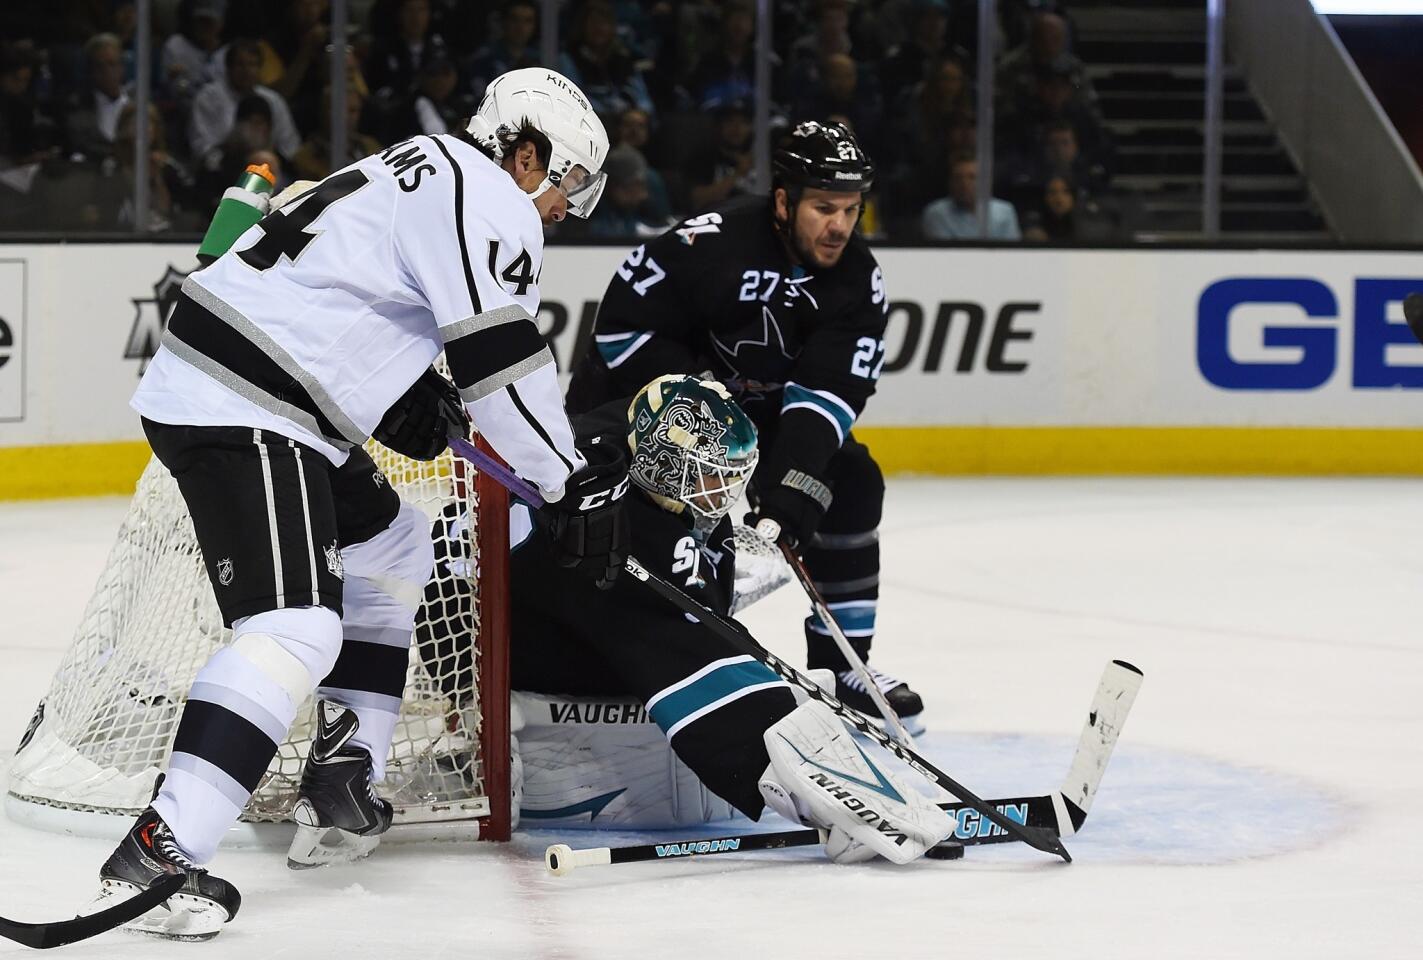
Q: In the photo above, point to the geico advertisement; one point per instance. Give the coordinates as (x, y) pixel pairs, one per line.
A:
(974, 337)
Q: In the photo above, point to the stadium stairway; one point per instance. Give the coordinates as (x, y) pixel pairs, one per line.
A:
(1147, 63)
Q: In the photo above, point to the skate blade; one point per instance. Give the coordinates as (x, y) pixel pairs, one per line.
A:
(181, 917)
(314, 847)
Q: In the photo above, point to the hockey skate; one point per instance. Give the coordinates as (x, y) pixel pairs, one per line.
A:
(850, 691)
(338, 816)
(196, 912)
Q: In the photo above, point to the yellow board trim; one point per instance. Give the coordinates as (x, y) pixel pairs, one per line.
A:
(71, 470)
(89, 470)
(1146, 450)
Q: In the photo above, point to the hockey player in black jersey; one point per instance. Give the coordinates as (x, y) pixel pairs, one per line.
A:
(783, 302)
(727, 716)
(314, 332)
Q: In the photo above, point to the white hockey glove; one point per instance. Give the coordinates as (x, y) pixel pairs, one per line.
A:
(820, 777)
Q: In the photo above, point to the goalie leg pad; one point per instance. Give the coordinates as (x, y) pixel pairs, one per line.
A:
(821, 777)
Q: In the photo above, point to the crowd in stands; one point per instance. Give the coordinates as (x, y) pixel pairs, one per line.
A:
(243, 81)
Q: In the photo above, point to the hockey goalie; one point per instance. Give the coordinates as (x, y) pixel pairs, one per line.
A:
(631, 714)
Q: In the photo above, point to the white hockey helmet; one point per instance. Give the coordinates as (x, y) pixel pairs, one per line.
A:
(552, 104)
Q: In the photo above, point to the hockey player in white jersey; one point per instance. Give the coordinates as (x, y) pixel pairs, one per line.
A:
(314, 332)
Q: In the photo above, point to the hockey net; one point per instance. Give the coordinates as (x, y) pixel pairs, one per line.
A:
(105, 728)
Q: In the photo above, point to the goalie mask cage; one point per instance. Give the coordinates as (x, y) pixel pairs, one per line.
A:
(105, 728)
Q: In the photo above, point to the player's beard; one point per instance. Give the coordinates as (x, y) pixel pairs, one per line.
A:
(806, 256)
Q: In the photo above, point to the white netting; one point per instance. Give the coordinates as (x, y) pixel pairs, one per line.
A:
(108, 720)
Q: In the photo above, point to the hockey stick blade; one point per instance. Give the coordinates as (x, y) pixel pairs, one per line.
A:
(42, 936)
(1116, 692)
(1413, 313)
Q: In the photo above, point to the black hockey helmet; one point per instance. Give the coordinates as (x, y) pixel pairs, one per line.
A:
(825, 156)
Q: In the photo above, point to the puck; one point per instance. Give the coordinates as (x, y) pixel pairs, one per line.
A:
(947, 850)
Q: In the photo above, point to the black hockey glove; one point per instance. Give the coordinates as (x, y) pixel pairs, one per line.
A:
(589, 525)
(421, 422)
(789, 513)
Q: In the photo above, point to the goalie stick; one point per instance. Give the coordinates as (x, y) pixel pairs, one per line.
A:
(42, 936)
(734, 633)
(1063, 811)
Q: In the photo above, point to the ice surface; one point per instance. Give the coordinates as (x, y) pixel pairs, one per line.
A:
(1261, 802)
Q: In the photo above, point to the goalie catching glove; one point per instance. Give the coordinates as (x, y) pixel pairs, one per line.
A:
(820, 777)
(420, 423)
(589, 525)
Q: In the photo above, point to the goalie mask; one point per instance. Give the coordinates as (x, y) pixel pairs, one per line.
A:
(692, 447)
(552, 104)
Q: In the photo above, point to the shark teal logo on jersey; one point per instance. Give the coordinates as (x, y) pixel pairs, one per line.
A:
(150, 318)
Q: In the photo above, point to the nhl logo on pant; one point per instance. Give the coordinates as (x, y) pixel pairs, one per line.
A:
(224, 571)
(334, 562)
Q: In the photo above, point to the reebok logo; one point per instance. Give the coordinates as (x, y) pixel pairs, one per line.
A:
(845, 175)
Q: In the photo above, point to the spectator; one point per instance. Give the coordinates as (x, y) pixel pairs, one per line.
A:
(192, 57)
(25, 132)
(633, 130)
(1045, 47)
(1022, 179)
(810, 54)
(25, 137)
(298, 52)
(928, 39)
(725, 169)
(601, 66)
(830, 35)
(106, 194)
(623, 211)
(728, 72)
(434, 107)
(1066, 214)
(125, 28)
(954, 217)
(251, 132)
(313, 160)
(94, 116)
(841, 92)
(215, 106)
(1054, 101)
(514, 48)
(395, 59)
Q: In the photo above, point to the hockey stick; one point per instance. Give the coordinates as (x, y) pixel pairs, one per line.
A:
(1056, 811)
(822, 610)
(42, 936)
(739, 637)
